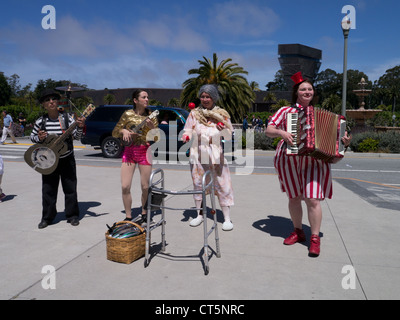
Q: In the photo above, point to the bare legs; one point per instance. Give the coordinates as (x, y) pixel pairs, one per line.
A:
(314, 217)
(127, 171)
(314, 211)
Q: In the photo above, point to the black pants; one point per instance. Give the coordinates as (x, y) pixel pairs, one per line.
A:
(66, 172)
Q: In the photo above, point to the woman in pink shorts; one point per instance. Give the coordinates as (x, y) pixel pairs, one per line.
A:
(137, 152)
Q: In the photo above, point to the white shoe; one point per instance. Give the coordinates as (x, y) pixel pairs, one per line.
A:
(227, 226)
(196, 221)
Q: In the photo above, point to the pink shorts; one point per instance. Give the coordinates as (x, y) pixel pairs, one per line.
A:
(137, 154)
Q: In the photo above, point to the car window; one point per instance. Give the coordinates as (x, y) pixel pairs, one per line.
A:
(165, 116)
(112, 114)
(184, 113)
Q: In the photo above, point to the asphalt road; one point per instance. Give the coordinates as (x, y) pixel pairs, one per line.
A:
(374, 177)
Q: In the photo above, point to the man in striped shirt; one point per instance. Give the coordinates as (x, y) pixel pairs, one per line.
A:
(56, 123)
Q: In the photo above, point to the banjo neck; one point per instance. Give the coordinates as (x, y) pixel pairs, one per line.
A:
(65, 135)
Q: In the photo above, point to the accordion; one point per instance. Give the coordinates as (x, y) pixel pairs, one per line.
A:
(317, 133)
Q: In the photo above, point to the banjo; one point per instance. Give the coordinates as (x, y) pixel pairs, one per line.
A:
(138, 128)
(43, 157)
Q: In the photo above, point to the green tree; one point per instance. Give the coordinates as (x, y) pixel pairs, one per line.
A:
(254, 86)
(236, 95)
(270, 97)
(279, 83)
(354, 77)
(154, 102)
(280, 103)
(333, 103)
(388, 87)
(13, 82)
(5, 90)
(327, 83)
(82, 102)
(52, 84)
(173, 102)
(109, 98)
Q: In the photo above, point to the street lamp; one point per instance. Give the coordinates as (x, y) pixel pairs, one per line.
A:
(346, 24)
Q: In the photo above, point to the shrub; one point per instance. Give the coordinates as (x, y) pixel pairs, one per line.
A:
(388, 142)
(261, 141)
(360, 137)
(368, 145)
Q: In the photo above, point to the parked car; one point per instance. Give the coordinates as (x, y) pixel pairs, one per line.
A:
(101, 122)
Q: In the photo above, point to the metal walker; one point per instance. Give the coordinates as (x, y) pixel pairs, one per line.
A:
(155, 191)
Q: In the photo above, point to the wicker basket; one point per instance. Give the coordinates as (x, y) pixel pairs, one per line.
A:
(126, 250)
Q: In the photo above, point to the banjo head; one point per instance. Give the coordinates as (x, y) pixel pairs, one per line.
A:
(43, 158)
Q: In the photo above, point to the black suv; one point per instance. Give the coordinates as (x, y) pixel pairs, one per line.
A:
(101, 122)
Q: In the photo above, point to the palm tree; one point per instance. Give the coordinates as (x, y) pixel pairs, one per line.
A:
(173, 102)
(254, 86)
(332, 103)
(280, 103)
(109, 98)
(154, 102)
(270, 97)
(236, 95)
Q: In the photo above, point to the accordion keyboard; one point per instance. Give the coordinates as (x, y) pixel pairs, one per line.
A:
(291, 127)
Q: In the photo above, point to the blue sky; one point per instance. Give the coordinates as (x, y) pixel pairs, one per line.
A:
(153, 43)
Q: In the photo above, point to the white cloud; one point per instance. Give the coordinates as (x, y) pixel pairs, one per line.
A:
(171, 33)
(377, 71)
(73, 38)
(70, 38)
(99, 54)
(243, 18)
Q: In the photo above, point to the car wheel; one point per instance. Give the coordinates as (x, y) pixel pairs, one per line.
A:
(111, 147)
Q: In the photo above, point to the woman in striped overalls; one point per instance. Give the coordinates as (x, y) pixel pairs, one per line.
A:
(301, 177)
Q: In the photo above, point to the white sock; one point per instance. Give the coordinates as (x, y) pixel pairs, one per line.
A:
(226, 212)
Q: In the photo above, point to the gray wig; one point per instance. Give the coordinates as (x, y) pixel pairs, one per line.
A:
(211, 90)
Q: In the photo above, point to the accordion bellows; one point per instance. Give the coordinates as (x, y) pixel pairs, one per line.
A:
(317, 133)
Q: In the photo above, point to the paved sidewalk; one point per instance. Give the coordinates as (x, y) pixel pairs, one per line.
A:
(254, 263)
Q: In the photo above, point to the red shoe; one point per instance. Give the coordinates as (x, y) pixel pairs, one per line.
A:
(315, 243)
(296, 236)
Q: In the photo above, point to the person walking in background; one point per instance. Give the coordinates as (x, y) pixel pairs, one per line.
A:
(22, 123)
(254, 122)
(245, 124)
(259, 126)
(7, 129)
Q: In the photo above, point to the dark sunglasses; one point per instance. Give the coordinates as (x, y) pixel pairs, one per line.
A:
(51, 98)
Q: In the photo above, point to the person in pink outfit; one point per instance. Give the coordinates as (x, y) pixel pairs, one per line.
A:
(205, 126)
(136, 153)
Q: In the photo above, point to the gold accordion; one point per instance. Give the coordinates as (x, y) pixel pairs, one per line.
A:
(317, 133)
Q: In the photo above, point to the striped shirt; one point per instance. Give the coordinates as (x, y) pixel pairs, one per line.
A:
(53, 127)
(300, 175)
